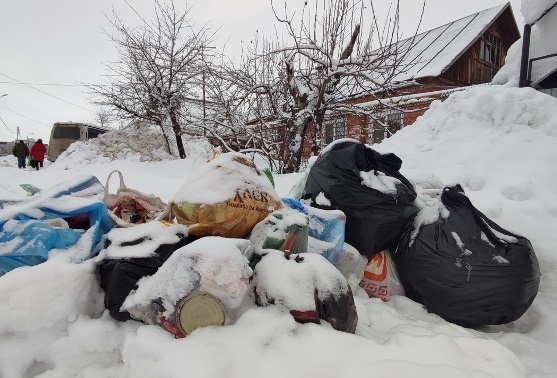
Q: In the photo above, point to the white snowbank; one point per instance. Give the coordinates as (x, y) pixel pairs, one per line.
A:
(497, 142)
(141, 145)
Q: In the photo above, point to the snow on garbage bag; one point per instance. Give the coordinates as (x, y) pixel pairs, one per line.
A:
(82, 186)
(226, 197)
(53, 221)
(202, 284)
(378, 201)
(131, 254)
(464, 267)
(308, 286)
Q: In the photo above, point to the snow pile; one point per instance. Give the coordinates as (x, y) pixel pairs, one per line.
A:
(497, 142)
(8, 161)
(139, 145)
(484, 135)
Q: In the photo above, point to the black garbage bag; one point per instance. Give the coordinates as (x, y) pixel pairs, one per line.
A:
(467, 269)
(118, 277)
(375, 218)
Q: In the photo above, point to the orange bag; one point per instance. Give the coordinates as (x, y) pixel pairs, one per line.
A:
(381, 279)
(247, 197)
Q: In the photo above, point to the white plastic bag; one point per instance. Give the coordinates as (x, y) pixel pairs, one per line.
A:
(129, 206)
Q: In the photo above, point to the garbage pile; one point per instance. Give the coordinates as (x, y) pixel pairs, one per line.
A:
(226, 240)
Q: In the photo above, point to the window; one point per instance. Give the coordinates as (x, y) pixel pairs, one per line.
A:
(490, 49)
(334, 129)
(66, 132)
(93, 133)
(384, 124)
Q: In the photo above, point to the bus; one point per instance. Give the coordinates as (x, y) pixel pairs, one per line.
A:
(65, 133)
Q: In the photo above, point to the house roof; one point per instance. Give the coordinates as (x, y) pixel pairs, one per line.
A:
(431, 53)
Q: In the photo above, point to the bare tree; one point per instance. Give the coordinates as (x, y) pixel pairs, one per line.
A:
(233, 111)
(158, 70)
(104, 117)
(331, 57)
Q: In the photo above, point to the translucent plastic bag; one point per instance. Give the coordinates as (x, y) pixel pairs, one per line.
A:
(129, 206)
(381, 279)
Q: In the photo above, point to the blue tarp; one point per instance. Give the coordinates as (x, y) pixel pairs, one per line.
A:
(25, 237)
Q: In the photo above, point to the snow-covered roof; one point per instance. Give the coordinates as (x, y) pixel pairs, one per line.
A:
(431, 53)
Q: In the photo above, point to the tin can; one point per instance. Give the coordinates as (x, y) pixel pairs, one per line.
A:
(197, 310)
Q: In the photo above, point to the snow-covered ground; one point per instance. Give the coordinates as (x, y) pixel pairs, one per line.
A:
(498, 143)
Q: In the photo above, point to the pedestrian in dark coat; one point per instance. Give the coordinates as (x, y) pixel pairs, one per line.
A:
(21, 151)
(37, 153)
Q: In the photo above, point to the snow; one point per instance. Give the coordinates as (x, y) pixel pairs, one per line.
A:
(221, 179)
(155, 234)
(212, 264)
(497, 142)
(533, 10)
(380, 182)
(294, 284)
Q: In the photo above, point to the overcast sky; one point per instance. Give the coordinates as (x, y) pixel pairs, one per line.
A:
(48, 47)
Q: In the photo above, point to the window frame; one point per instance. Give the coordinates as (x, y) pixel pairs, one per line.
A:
(491, 49)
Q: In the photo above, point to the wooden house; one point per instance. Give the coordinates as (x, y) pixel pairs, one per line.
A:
(461, 53)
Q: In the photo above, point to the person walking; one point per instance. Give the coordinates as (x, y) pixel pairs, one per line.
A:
(37, 153)
(21, 151)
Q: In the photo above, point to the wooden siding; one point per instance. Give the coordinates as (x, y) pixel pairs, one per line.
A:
(469, 69)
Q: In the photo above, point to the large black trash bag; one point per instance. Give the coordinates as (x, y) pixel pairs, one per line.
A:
(118, 277)
(374, 220)
(467, 269)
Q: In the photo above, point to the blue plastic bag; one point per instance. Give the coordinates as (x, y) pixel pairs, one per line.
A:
(31, 241)
(25, 237)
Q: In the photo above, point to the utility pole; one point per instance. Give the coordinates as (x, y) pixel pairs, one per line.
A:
(17, 133)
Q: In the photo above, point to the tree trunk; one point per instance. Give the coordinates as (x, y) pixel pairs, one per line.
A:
(168, 149)
(178, 133)
(293, 155)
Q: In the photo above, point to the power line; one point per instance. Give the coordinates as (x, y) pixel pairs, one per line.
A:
(50, 84)
(6, 125)
(48, 94)
(21, 115)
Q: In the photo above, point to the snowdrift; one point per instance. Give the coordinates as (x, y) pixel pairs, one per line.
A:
(498, 143)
